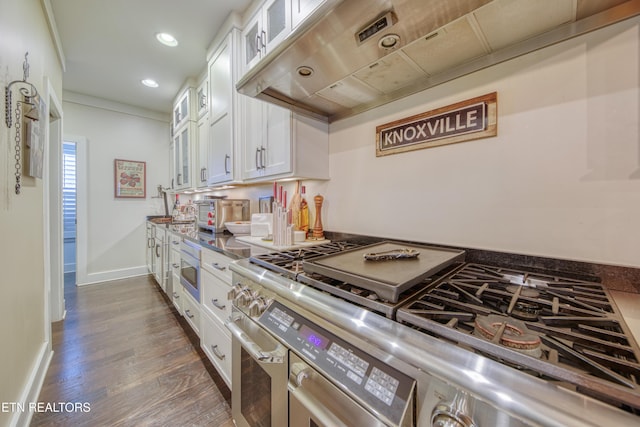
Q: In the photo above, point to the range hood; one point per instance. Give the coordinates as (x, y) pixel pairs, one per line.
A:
(354, 55)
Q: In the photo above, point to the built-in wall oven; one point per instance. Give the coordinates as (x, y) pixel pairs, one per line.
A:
(190, 267)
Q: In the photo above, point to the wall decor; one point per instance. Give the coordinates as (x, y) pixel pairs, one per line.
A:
(474, 118)
(30, 99)
(130, 179)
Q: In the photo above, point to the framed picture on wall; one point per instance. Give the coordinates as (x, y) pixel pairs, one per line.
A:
(130, 179)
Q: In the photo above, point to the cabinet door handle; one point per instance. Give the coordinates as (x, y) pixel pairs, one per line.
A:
(216, 304)
(257, 158)
(257, 44)
(179, 179)
(214, 349)
(263, 42)
(157, 253)
(188, 314)
(263, 157)
(226, 169)
(176, 296)
(218, 266)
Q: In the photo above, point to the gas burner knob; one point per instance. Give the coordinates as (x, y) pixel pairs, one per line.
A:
(452, 414)
(244, 298)
(258, 306)
(235, 290)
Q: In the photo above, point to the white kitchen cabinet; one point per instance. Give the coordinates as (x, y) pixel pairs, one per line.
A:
(270, 24)
(191, 311)
(302, 9)
(215, 310)
(214, 296)
(202, 98)
(181, 152)
(215, 341)
(151, 243)
(224, 111)
(203, 151)
(282, 144)
(201, 168)
(160, 252)
(181, 110)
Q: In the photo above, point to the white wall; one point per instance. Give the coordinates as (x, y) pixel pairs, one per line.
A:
(111, 241)
(24, 318)
(561, 179)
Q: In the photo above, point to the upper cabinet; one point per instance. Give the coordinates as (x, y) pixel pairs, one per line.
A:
(301, 9)
(270, 25)
(202, 93)
(181, 157)
(182, 109)
(281, 144)
(224, 128)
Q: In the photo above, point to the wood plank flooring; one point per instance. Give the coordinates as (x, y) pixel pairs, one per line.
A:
(123, 350)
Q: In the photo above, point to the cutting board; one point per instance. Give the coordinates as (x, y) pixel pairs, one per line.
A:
(257, 241)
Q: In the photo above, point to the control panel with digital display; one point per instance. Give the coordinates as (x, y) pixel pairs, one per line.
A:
(374, 382)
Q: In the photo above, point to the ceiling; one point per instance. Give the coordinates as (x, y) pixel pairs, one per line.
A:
(110, 46)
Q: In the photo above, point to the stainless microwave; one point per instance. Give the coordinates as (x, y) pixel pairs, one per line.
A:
(213, 213)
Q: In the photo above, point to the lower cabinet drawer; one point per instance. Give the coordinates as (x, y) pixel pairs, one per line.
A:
(176, 294)
(214, 295)
(215, 340)
(191, 311)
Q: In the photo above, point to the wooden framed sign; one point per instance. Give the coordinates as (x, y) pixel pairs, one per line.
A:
(130, 179)
(464, 121)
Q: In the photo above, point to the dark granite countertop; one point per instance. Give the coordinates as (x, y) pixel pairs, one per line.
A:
(618, 278)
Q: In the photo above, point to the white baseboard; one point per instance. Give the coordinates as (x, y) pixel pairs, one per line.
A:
(33, 386)
(107, 276)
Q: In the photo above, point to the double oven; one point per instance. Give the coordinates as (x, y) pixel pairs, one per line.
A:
(292, 368)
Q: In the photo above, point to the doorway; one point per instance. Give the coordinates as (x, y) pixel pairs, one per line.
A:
(69, 212)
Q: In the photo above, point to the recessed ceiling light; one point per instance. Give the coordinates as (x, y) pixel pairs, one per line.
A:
(150, 83)
(167, 39)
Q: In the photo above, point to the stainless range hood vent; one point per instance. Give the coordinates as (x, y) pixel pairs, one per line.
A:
(334, 66)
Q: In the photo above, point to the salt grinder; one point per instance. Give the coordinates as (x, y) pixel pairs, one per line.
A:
(317, 227)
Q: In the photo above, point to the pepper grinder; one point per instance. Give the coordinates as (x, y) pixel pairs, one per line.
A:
(317, 227)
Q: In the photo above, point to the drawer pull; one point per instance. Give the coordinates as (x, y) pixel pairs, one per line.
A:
(176, 296)
(174, 242)
(188, 314)
(216, 304)
(214, 349)
(175, 265)
(218, 266)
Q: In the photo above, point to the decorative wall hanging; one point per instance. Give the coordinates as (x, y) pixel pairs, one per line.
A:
(29, 98)
(130, 179)
(464, 121)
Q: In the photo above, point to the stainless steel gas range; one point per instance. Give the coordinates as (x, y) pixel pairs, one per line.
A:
(463, 345)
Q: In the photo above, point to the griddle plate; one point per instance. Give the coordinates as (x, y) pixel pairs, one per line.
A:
(389, 278)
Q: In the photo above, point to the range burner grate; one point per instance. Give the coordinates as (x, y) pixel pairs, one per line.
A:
(583, 341)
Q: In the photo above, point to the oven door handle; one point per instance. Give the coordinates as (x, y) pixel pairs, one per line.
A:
(274, 356)
(300, 375)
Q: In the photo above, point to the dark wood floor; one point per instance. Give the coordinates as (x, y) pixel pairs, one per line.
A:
(122, 350)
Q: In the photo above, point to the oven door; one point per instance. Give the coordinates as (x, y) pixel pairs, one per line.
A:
(259, 367)
(316, 402)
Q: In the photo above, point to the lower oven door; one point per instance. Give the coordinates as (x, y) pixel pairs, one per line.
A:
(316, 402)
(259, 370)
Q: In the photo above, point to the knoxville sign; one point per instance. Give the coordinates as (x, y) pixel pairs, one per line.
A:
(472, 119)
